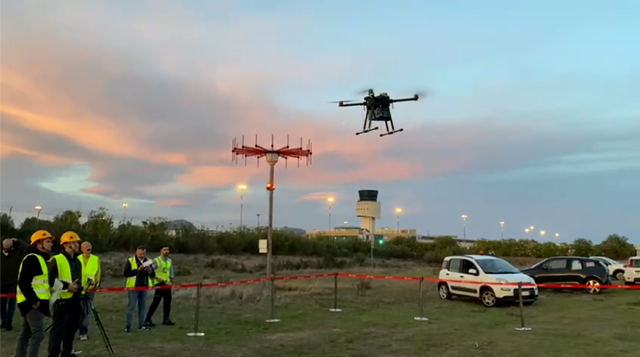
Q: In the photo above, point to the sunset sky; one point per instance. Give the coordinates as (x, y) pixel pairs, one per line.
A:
(532, 115)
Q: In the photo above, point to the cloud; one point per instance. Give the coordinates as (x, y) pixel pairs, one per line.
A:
(144, 105)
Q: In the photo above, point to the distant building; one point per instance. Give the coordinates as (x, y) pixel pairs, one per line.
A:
(385, 234)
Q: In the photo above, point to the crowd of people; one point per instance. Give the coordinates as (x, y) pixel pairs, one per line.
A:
(61, 287)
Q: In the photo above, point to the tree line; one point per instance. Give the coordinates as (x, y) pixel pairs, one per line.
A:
(106, 235)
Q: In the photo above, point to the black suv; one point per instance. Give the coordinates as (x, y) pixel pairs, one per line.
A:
(571, 270)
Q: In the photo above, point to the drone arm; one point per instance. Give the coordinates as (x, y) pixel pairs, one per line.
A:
(351, 104)
(414, 98)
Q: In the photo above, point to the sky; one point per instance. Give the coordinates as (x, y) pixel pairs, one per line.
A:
(531, 114)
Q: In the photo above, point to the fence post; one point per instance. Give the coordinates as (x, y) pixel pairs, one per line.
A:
(522, 326)
(335, 294)
(421, 303)
(195, 332)
(273, 300)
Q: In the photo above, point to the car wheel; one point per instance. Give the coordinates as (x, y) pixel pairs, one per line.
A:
(593, 286)
(443, 291)
(620, 276)
(488, 297)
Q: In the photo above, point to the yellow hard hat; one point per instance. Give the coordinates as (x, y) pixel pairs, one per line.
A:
(68, 237)
(40, 235)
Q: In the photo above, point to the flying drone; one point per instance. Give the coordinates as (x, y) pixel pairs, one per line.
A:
(378, 108)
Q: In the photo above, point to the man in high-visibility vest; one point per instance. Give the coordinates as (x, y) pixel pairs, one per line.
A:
(67, 309)
(92, 270)
(164, 276)
(33, 294)
(139, 273)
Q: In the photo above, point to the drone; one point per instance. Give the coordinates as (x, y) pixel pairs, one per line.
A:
(378, 108)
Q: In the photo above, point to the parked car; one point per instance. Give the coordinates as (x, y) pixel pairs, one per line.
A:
(571, 270)
(616, 269)
(632, 271)
(475, 276)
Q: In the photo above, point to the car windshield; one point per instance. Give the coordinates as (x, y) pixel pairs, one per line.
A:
(497, 266)
(608, 260)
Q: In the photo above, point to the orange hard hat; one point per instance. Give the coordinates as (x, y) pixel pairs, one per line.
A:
(69, 237)
(40, 235)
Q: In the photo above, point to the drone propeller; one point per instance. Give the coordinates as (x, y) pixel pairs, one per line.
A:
(343, 101)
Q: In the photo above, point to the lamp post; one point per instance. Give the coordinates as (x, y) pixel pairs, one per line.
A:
(542, 233)
(330, 200)
(258, 216)
(398, 211)
(124, 211)
(531, 232)
(464, 226)
(501, 230)
(526, 230)
(38, 209)
(241, 189)
(557, 235)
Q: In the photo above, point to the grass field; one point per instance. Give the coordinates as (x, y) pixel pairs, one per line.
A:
(380, 323)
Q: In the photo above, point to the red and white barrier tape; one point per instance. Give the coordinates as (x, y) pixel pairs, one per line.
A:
(357, 276)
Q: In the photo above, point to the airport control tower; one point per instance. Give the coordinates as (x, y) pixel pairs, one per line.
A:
(368, 209)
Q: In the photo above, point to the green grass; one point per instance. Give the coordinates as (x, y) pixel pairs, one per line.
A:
(380, 323)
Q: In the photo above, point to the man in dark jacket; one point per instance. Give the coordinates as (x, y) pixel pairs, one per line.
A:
(13, 251)
(139, 273)
(33, 294)
(67, 309)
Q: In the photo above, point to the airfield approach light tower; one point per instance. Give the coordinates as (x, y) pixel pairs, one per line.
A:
(272, 156)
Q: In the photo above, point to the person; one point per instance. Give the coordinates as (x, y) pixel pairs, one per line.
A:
(139, 273)
(33, 294)
(67, 309)
(13, 251)
(163, 267)
(93, 271)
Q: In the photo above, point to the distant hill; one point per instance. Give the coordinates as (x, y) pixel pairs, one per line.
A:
(180, 224)
(297, 231)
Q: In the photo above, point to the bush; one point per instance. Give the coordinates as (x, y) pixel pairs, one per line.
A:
(100, 229)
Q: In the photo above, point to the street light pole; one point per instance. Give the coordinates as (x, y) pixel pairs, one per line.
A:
(258, 215)
(464, 226)
(124, 212)
(398, 211)
(241, 188)
(38, 209)
(501, 230)
(330, 200)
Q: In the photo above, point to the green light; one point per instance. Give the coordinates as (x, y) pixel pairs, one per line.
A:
(381, 241)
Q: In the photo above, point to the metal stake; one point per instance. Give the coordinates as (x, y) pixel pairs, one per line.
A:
(522, 327)
(335, 294)
(421, 303)
(195, 332)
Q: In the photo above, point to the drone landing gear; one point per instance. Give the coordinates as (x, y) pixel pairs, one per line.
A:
(393, 129)
(391, 132)
(367, 130)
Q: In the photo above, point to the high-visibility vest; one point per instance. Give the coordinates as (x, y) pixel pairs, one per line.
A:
(40, 283)
(163, 268)
(64, 274)
(131, 281)
(90, 269)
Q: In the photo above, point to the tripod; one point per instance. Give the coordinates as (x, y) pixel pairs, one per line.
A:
(103, 333)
